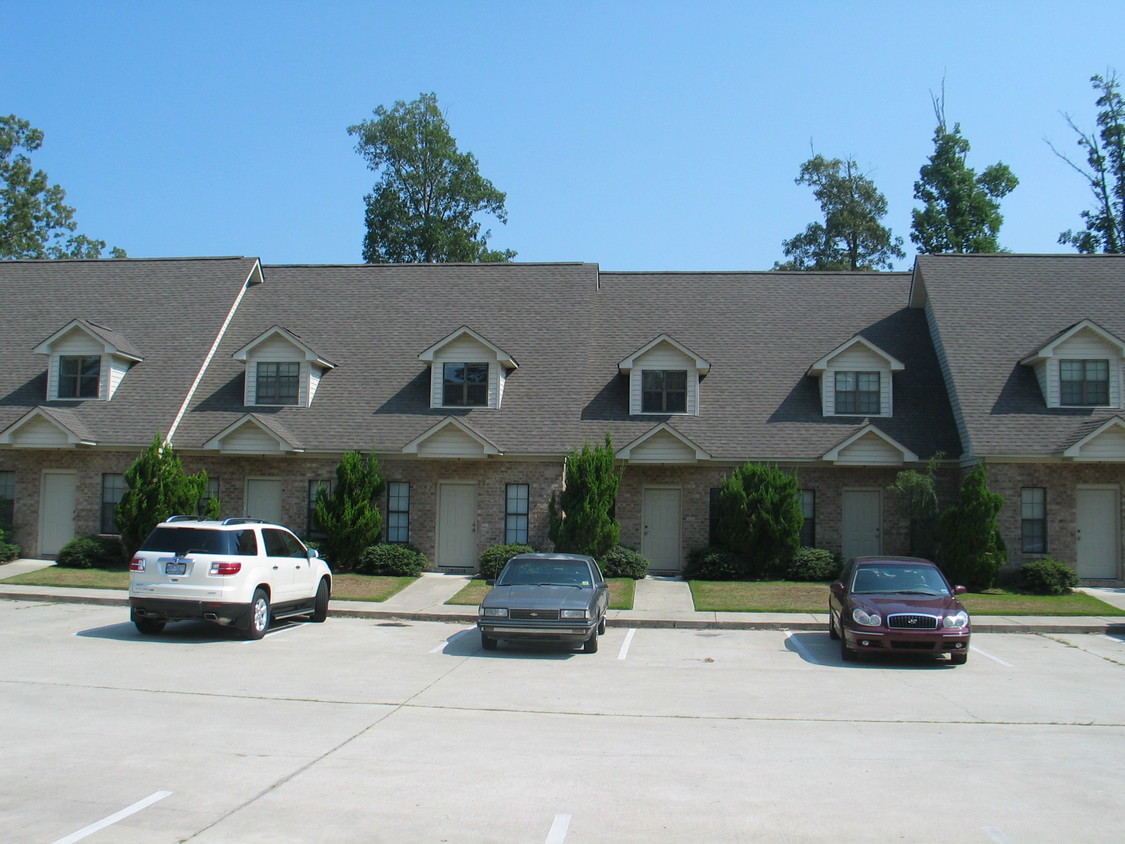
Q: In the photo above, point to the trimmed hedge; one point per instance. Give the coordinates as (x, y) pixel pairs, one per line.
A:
(812, 565)
(391, 560)
(620, 561)
(1048, 576)
(8, 550)
(494, 557)
(713, 563)
(92, 552)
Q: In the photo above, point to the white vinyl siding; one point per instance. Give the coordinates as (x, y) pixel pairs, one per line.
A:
(77, 343)
(1084, 345)
(465, 349)
(666, 357)
(277, 350)
(857, 359)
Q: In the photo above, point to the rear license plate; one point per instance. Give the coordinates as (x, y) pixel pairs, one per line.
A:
(175, 568)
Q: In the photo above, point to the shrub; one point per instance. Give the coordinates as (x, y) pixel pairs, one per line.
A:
(92, 552)
(579, 516)
(493, 558)
(348, 515)
(712, 563)
(8, 550)
(972, 550)
(1048, 576)
(760, 517)
(392, 561)
(620, 561)
(813, 565)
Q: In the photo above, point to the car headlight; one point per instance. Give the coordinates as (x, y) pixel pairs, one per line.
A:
(860, 616)
(494, 612)
(583, 614)
(958, 619)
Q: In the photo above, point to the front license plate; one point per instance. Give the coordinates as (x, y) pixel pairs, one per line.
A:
(175, 568)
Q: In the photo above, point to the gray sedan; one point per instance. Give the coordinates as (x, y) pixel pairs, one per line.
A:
(546, 598)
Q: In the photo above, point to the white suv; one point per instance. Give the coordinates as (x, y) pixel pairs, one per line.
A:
(237, 572)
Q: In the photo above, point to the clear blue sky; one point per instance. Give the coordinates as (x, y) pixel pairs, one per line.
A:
(638, 135)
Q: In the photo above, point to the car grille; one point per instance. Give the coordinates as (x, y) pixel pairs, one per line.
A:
(912, 622)
(533, 615)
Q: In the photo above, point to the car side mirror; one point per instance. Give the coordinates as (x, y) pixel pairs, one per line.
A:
(837, 587)
(313, 553)
(959, 590)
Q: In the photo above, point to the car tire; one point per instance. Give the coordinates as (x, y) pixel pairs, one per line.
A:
(846, 653)
(601, 627)
(149, 626)
(832, 634)
(958, 657)
(590, 646)
(259, 620)
(487, 642)
(320, 606)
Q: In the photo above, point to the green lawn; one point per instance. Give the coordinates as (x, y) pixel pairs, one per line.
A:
(621, 592)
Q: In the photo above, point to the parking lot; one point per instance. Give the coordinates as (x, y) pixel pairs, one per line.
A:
(375, 730)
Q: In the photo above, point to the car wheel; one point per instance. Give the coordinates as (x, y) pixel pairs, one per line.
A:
(148, 626)
(846, 653)
(832, 634)
(259, 615)
(487, 642)
(959, 657)
(590, 646)
(320, 607)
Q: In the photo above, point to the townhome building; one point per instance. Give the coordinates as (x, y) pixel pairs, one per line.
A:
(471, 383)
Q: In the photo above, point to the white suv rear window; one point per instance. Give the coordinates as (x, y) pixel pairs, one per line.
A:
(189, 540)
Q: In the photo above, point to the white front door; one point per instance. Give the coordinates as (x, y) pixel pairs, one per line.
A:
(862, 517)
(457, 525)
(263, 499)
(660, 529)
(1097, 521)
(57, 499)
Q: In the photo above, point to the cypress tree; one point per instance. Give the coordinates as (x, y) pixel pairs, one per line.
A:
(348, 515)
(580, 520)
(760, 517)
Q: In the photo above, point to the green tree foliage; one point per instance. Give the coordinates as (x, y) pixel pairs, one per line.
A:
(35, 221)
(1104, 172)
(423, 208)
(159, 488)
(960, 209)
(972, 552)
(917, 492)
(348, 515)
(851, 236)
(760, 517)
(580, 520)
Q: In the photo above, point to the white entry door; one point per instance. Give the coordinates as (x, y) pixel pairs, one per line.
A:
(263, 499)
(660, 529)
(457, 525)
(57, 499)
(862, 528)
(1097, 523)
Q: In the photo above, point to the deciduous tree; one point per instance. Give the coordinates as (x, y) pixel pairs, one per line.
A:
(425, 205)
(851, 236)
(35, 221)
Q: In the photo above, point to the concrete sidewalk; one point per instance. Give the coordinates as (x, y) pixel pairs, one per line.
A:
(659, 602)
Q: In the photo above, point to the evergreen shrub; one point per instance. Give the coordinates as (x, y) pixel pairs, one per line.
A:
(1048, 576)
(8, 550)
(813, 565)
(713, 563)
(494, 557)
(92, 552)
(620, 561)
(392, 560)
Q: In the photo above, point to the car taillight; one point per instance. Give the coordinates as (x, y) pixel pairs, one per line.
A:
(225, 568)
(137, 564)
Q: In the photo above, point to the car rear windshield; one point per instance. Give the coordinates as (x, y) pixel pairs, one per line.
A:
(192, 540)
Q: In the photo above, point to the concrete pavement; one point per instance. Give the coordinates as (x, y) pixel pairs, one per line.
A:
(659, 602)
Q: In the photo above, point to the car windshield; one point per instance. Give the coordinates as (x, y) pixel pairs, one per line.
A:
(898, 580)
(544, 573)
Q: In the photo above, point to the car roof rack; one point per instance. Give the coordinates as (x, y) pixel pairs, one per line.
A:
(243, 520)
(180, 518)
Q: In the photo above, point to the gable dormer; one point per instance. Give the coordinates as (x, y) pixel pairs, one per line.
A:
(281, 370)
(856, 379)
(467, 371)
(1080, 367)
(86, 361)
(664, 378)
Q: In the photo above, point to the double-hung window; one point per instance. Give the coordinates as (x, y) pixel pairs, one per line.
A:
(313, 527)
(1084, 382)
(465, 385)
(664, 391)
(113, 488)
(277, 383)
(79, 376)
(7, 498)
(398, 512)
(1033, 520)
(808, 510)
(857, 392)
(515, 514)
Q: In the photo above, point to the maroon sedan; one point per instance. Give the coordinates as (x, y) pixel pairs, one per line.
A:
(897, 605)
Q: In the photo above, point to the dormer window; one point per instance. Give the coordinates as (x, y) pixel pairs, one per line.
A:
(278, 383)
(465, 385)
(1084, 383)
(664, 391)
(79, 376)
(858, 393)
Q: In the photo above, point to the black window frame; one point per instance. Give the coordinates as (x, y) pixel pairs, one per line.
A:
(1084, 391)
(277, 387)
(463, 389)
(854, 401)
(661, 394)
(517, 521)
(1033, 520)
(75, 380)
(398, 513)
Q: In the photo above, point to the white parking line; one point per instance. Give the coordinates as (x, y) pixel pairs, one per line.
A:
(624, 652)
(805, 655)
(990, 656)
(114, 818)
(439, 648)
(995, 834)
(557, 835)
